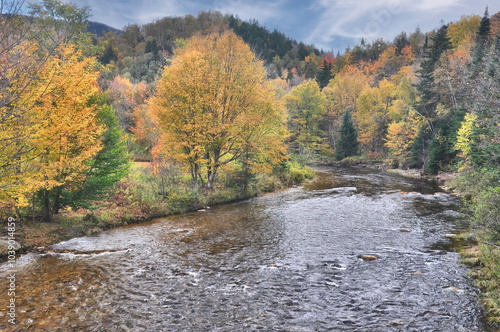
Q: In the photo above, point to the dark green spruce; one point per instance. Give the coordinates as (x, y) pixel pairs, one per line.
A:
(348, 143)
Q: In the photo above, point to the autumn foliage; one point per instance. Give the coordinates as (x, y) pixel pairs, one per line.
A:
(214, 105)
(50, 132)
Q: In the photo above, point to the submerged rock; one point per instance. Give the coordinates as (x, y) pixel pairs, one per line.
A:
(454, 290)
(368, 257)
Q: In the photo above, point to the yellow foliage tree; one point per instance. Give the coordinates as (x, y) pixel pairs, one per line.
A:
(56, 129)
(464, 139)
(400, 137)
(342, 94)
(463, 30)
(213, 105)
(372, 114)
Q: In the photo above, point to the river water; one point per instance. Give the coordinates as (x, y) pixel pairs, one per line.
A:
(286, 261)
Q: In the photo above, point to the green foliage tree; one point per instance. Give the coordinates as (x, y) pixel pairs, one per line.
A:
(306, 107)
(348, 143)
(325, 73)
(106, 169)
(486, 107)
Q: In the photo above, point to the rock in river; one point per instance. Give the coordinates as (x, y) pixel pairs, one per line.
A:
(368, 257)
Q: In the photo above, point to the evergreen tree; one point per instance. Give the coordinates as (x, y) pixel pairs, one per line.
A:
(401, 41)
(486, 106)
(348, 143)
(324, 73)
(485, 26)
(108, 55)
(481, 45)
(429, 96)
(420, 146)
(109, 166)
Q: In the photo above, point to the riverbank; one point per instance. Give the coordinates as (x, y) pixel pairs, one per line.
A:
(483, 260)
(481, 252)
(138, 199)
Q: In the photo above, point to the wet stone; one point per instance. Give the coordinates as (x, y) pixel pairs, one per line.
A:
(368, 257)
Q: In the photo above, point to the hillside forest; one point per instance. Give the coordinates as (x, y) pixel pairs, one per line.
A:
(189, 111)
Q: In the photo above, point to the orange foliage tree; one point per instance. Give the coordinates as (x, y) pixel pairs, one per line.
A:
(213, 106)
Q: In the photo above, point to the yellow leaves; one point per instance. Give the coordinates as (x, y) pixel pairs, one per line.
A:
(400, 137)
(57, 129)
(464, 140)
(463, 30)
(213, 102)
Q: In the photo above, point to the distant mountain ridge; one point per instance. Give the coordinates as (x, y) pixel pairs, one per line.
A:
(100, 29)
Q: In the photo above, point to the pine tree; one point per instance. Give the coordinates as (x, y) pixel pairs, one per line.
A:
(486, 106)
(348, 143)
(485, 26)
(481, 45)
(429, 95)
(108, 167)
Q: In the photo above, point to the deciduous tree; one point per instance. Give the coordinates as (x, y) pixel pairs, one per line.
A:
(56, 130)
(213, 105)
(306, 108)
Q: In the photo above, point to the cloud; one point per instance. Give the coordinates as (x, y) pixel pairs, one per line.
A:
(325, 23)
(120, 13)
(261, 11)
(372, 19)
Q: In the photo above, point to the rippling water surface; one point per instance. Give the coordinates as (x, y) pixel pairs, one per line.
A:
(287, 261)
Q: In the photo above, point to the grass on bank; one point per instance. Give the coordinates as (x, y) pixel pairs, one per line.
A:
(147, 193)
(481, 190)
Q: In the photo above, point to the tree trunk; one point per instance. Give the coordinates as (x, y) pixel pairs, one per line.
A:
(211, 178)
(46, 206)
(194, 176)
(57, 202)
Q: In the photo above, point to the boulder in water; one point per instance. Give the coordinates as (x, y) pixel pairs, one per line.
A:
(368, 257)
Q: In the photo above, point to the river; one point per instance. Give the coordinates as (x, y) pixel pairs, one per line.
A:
(285, 261)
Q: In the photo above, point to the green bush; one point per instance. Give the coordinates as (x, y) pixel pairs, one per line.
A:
(299, 173)
(353, 160)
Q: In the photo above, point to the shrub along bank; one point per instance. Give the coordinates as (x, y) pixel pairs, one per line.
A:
(147, 193)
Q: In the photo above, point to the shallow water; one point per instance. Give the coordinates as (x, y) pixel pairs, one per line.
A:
(287, 261)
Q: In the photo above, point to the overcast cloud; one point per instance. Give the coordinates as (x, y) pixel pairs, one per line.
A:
(328, 24)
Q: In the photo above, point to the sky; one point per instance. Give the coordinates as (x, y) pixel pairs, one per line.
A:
(331, 25)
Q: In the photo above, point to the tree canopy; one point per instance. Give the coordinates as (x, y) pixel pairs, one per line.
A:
(214, 104)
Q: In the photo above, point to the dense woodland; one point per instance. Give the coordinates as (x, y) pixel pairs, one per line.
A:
(213, 103)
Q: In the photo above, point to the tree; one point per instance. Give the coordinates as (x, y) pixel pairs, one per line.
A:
(464, 30)
(481, 45)
(342, 93)
(400, 137)
(485, 149)
(108, 167)
(213, 105)
(306, 107)
(56, 132)
(348, 143)
(325, 73)
(29, 36)
(430, 98)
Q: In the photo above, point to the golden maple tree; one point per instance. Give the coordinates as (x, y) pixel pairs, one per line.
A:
(52, 132)
(214, 105)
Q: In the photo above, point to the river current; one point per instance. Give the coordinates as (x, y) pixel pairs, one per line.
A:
(285, 261)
